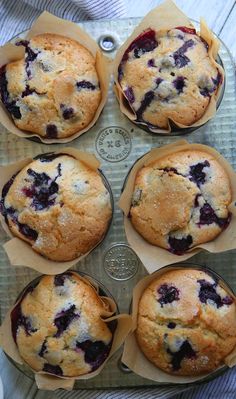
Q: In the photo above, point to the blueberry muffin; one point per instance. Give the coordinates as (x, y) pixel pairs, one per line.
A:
(186, 322)
(57, 204)
(168, 75)
(58, 329)
(54, 90)
(181, 200)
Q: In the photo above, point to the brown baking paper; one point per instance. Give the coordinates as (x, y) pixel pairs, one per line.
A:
(154, 257)
(48, 23)
(134, 358)
(48, 381)
(19, 252)
(168, 16)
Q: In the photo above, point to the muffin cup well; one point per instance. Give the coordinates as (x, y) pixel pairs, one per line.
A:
(48, 381)
(134, 358)
(168, 16)
(19, 252)
(48, 23)
(154, 257)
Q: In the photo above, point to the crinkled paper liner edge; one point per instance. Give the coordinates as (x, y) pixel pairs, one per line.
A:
(168, 16)
(134, 358)
(19, 252)
(50, 382)
(48, 23)
(154, 257)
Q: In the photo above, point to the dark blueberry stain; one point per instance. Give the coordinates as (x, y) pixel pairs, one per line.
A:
(217, 80)
(151, 63)
(171, 325)
(179, 245)
(144, 43)
(208, 291)
(207, 91)
(208, 216)
(149, 96)
(24, 229)
(129, 93)
(168, 294)
(51, 131)
(30, 55)
(18, 319)
(197, 174)
(120, 72)
(95, 353)
(84, 84)
(184, 29)
(42, 190)
(28, 91)
(185, 351)
(59, 279)
(196, 203)
(43, 348)
(13, 215)
(64, 318)
(158, 82)
(174, 170)
(49, 368)
(179, 84)
(10, 105)
(67, 112)
(179, 55)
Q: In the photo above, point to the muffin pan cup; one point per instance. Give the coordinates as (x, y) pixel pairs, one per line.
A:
(168, 16)
(136, 361)
(48, 23)
(19, 252)
(154, 257)
(51, 382)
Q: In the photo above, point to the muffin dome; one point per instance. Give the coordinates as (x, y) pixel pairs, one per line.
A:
(58, 326)
(186, 322)
(54, 91)
(181, 200)
(168, 75)
(59, 205)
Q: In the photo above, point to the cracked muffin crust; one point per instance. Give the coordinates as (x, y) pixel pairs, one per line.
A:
(168, 75)
(57, 204)
(54, 91)
(58, 327)
(181, 200)
(186, 322)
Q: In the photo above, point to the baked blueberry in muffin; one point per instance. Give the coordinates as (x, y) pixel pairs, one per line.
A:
(54, 90)
(186, 322)
(168, 75)
(181, 200)
(57, 204)
(58, 328)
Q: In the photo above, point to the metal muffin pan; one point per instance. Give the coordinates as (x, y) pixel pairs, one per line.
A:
(118, 143)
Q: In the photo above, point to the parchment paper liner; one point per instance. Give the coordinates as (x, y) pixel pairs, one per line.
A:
(168, 16)
(134, 358)
(19, 252)
(50, 382)
(48, 23)
(154, 257)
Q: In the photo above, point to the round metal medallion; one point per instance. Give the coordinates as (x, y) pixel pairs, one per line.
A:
(113, 143)
(120, 262)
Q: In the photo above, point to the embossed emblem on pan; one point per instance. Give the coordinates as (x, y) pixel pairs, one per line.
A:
(113, 143)
(120, 262)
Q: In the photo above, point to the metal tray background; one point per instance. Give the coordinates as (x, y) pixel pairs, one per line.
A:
(219, 133)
